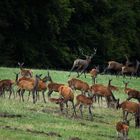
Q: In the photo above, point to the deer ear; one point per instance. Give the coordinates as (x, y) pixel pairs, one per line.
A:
(19, 63)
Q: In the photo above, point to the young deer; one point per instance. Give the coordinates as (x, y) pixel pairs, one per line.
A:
(67, 94)
(25, 72)
(94, 72)
(77, 84)
(59, 101)
(122, 129)
(82, 64)
(86, 101)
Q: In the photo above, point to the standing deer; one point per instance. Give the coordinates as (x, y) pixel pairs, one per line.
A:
(25, 72)
(130, 70)
(82, 63)
(114, 66)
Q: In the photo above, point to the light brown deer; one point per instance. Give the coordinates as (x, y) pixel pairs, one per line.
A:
(86, 101)
(77, 84)
(67, 93)
(93, 73)
(103, 91)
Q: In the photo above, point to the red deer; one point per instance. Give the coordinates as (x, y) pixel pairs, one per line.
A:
(94, 72)
(67, 94)
(122, 129)
(28, 86)
(7, 85)
(133, 108)
(42, 86)
(132, 93)
(103, 91)
(114, 66)
(130, 70)
(82, 64)
(77, 84)
(86, 101)
(59, 101)
(53, 86)
(25, 72)
(113, 88)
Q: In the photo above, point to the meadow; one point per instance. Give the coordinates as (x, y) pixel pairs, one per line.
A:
(27, 121)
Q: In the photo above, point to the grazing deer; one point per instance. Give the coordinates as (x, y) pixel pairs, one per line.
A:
(7, 85)
(25, 72)
(130, 70)
(133, 108)
(94, 72)
(59, 101)
(132, 93)
(77, 84)
(114, 66)
(103, 91)
(82, 64)
(86, 101)
(67, 94)
(122, 129)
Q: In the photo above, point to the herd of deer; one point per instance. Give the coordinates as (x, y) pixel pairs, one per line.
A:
(89, 94)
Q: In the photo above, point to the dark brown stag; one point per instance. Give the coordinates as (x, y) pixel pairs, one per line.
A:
(82, 64)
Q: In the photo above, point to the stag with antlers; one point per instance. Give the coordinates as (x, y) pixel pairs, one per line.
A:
(82, 64)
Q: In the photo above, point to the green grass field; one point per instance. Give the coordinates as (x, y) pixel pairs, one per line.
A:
(40, 121)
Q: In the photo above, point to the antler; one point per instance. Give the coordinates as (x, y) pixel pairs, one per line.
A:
(81, 51)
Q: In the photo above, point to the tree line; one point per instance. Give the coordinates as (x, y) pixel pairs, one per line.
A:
(48, 34)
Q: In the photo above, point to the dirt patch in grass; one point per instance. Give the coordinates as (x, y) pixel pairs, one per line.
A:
(32, 131)
(8, 115)
(74, 138)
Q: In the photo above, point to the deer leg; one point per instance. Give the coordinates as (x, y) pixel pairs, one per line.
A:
(71, 70)
(90, 112)
(10, 93)
(49, 93)
(28, 96)
(82, 71)
(44, 96)
(74, 111)
(80, 107)
(22, 92)
(67, 107)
